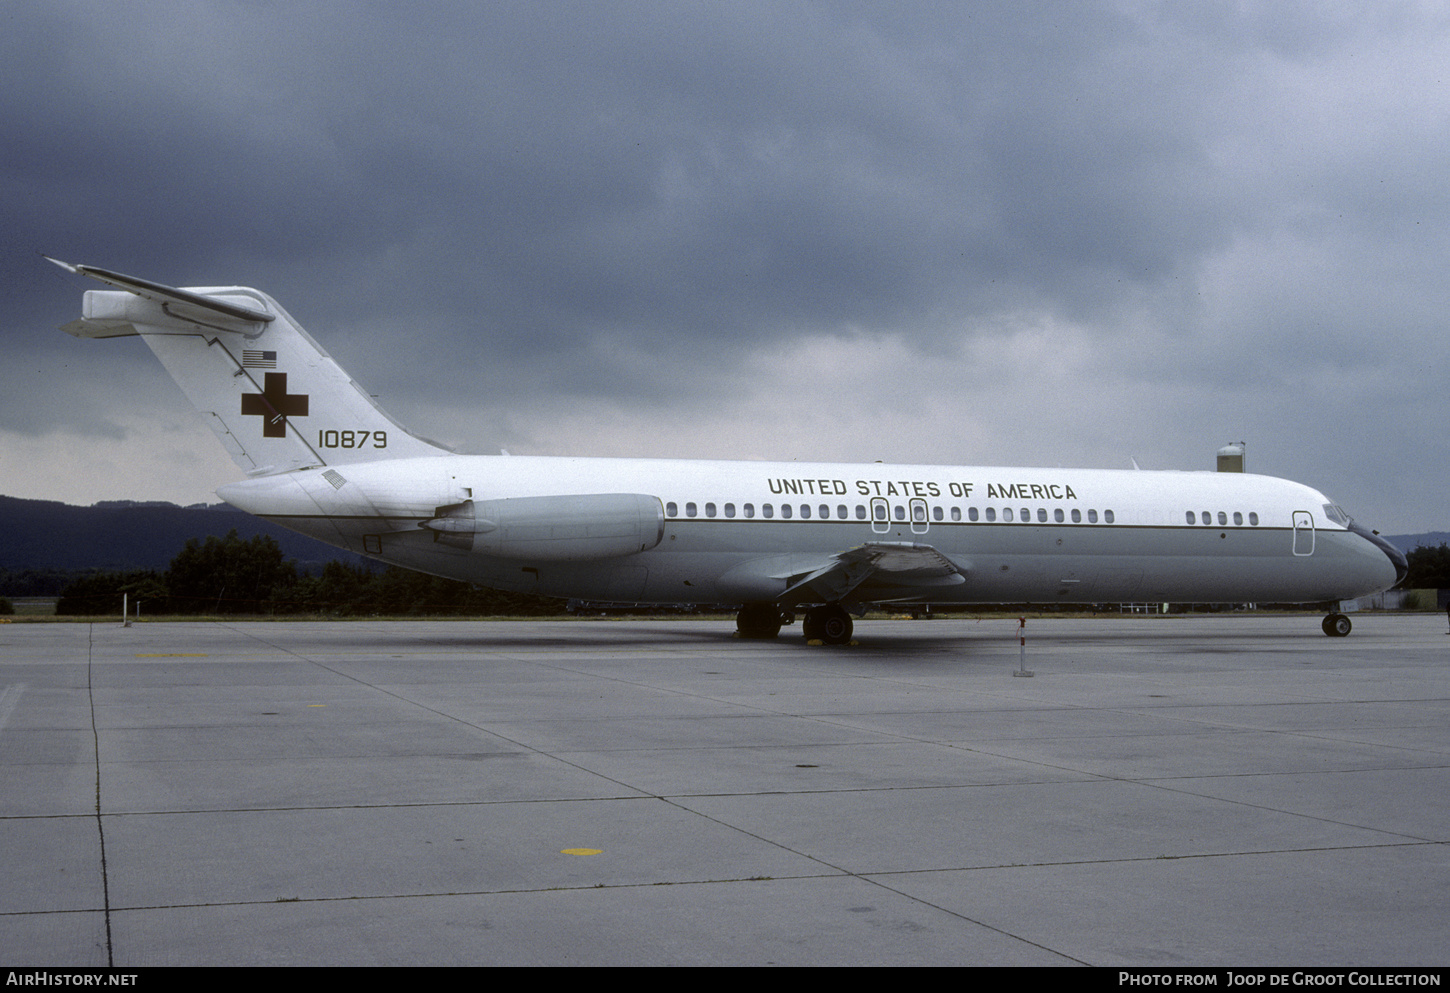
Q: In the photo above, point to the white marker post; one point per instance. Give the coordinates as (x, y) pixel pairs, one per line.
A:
(1022, 669)
(125, 610)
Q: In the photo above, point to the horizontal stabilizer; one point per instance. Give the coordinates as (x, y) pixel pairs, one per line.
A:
(88, 327)
(167, 294)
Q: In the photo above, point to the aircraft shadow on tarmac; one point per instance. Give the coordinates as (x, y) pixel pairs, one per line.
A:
(958, 636)
(964, 635)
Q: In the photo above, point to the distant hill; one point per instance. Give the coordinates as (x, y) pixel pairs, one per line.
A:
(122, 534)
(1410, 542)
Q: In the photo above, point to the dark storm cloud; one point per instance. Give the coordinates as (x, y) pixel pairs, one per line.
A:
(696, 172)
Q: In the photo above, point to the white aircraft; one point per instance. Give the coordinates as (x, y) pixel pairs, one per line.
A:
(776, 537)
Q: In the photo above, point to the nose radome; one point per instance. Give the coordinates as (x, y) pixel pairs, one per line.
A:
(1396, 557)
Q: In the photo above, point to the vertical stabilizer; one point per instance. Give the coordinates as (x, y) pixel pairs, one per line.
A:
(273, 397)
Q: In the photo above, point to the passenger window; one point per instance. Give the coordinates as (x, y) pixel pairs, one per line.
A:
(1222, 518)
(972, 514)
(1076, 516)
(1041, 515)
(900, 512)
(1006, 513)
(936, 513)
(880, 511)
(1107, 517)
(690, 510)
(826, 512)
(750, 510)
(672, 509)
(841, 511)
(1026, 515)
(1057, 515)
(1238, 518)
(730, 510)
(957, 513)
(709, 510)
(1192, 517)
(860, 511)
(991, 513)
(767, 510)
(1253, 519)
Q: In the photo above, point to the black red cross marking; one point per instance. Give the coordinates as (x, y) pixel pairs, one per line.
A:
(274, 405)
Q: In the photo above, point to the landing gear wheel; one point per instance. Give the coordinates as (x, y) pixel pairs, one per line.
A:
(758, 620)
(830, 624)
(1337, 625)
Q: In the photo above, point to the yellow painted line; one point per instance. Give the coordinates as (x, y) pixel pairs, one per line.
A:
(317, 705)
(581, 851)
(171, 655)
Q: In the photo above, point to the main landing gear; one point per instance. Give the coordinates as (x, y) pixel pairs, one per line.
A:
(828, 623)
(758, 620)
(1336, 625)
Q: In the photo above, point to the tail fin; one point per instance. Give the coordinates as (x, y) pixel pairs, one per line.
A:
(275, 399)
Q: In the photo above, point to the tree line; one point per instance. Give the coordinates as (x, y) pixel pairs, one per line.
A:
(235, 576)
(1429, 568)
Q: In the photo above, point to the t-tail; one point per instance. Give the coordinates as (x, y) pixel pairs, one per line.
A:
(273, 396)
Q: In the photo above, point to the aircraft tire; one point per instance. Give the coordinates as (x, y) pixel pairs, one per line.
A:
(1337, 625)
(828, 624)
(837, 629)
(833, 625)
(758, 620)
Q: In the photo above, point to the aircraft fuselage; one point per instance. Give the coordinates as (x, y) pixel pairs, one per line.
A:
(733, 532)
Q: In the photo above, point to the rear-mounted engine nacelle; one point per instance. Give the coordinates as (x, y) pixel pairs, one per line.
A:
(552, 528)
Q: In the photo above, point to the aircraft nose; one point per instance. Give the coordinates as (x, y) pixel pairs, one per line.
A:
(1396, 557)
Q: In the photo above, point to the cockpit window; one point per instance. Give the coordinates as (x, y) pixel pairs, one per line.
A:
(1336, 514)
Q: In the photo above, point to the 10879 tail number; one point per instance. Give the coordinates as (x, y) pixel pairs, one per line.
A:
(352, 439)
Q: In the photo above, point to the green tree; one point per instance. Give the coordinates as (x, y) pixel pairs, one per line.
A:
(1429, 568)
(230, 576)
(102, 593)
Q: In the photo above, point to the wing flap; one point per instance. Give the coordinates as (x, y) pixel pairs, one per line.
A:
(893, 563)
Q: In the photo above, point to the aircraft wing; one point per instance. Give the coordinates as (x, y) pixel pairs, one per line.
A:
(894, 564)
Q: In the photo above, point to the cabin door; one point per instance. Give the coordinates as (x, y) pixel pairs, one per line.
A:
(1303, 532)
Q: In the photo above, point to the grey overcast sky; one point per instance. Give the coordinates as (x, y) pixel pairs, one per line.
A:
(1016, 233)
